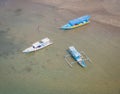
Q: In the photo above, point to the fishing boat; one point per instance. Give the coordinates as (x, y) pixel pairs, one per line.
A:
(79, 57)
(76, 22)
(38, 45)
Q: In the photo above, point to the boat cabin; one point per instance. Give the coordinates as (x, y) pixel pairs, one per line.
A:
(36, 45)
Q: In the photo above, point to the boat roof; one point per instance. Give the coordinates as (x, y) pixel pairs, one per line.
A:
(79, 20)
(36, 44)
(45, 40)
(74, 51)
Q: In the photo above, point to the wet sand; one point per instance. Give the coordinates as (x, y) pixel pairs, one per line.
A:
(45, 71)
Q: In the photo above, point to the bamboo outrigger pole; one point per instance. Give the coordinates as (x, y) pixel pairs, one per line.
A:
(68, 61)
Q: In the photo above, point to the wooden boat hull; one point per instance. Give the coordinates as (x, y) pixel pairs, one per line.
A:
(31, 49)
(68, 26)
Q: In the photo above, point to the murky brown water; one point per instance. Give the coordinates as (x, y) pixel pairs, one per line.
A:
(45, 71)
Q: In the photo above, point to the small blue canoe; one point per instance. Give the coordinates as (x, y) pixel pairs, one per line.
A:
(76, 22)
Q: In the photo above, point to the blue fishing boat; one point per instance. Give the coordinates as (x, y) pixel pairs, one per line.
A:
(79, 57)
(76, 22)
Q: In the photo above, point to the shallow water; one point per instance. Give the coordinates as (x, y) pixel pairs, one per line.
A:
(45, 71)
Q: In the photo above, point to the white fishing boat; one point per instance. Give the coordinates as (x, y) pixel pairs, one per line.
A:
(38, 45)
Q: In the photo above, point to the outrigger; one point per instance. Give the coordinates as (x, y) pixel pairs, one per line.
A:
(79, 57)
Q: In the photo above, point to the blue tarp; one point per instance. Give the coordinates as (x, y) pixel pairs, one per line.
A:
(79, 20)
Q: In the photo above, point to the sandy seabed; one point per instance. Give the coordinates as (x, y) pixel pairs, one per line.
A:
(23, 22)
